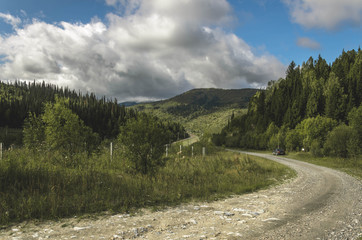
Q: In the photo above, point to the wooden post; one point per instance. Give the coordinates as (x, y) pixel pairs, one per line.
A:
(192, 151)
(111, 151)
(203, 151)
(1, 151)
(166, 150)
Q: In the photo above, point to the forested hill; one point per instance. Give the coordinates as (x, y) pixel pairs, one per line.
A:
(103, 115)
(314, 95)
(214, 97)
(204, 101)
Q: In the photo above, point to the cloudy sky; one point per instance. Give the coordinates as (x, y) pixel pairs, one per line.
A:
(155, 49)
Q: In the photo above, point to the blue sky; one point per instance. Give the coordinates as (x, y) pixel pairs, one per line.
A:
(154, 49)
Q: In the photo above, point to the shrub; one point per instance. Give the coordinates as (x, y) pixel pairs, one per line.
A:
(337, 141)
(144, 142)
(316, 148)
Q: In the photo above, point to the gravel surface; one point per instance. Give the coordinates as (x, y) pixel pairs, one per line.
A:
(320, 203)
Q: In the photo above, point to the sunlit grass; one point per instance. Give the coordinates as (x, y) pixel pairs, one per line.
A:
(34, 186)
(352, 166)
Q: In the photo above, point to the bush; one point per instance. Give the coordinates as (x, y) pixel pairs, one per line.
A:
(338, 140)
(316, 148)
(144, 142)
(316, 128)
(293, 140)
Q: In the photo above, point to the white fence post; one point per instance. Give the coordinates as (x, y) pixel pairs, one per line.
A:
(111, 151)
(203, 151)
(192, 151)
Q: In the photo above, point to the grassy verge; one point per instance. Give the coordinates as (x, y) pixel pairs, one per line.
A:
(33, 187)
(200, 123)
(351, 166)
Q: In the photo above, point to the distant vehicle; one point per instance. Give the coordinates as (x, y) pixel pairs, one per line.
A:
(278, 151)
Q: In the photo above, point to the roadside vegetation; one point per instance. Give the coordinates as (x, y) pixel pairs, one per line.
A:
(42, 185)
(351, 166)
(65, 168)
(316, 108)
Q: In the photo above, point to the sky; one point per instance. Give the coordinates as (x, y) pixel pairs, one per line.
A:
(141, 50)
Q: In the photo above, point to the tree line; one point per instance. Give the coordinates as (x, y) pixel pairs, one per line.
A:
(104, 117)
(317, 106)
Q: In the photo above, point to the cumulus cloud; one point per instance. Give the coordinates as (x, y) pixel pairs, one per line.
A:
(8, 18)
(328, 14)
(308, 43)
(153, 52)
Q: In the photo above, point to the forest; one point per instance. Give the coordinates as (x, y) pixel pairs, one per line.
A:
(20, 101)
(316, 108)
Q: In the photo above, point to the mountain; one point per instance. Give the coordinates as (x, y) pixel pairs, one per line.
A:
(215, 97)
(128, 104)
(203, 110)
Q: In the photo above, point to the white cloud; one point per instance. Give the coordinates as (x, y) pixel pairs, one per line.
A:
(155, 52)
(308, 43)
(8, 18)
(328, 14)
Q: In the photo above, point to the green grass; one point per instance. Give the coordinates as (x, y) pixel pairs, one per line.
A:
(34, 186)
(203, 123)
(351, 166)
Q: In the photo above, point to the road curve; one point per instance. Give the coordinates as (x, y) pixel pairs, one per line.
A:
(320, 203)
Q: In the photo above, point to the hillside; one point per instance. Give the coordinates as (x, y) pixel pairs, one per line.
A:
(317, 107)
(214, 97)
(103, 116)
(201, 110)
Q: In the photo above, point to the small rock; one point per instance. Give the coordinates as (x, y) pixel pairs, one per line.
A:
(240, 210)
(228, 214)
(80, 228)
(218, 212)
(193, 221)
(246, 215)
(270, 219)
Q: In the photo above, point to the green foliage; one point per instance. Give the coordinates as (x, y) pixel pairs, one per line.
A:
(17, 99)
(316, 148)
(335, 98)
(293, 140)
(10, 137)
(355, 141)
(144, 142)
(34, 132)
(338, 140)
(64, 131)
(315, 129)
(352, 166)
(299, 111)
(33, 187)
(59, 130)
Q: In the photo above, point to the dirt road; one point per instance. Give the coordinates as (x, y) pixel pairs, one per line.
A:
(319, 203)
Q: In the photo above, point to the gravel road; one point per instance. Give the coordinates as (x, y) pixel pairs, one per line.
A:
(320, 203)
